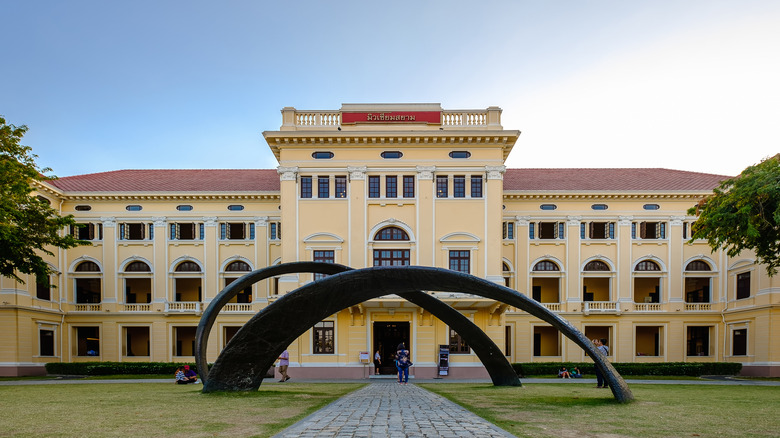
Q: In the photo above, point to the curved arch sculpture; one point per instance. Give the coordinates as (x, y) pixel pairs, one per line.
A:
(496, 364)
(242, 365)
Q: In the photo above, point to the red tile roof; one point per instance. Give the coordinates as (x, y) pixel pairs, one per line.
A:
(173, 180)
(267, 180)
(609, 180)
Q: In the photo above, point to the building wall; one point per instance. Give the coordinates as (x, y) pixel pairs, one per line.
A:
(506, 234)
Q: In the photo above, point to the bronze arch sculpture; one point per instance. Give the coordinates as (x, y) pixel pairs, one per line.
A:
(242, 365)
(497, 365)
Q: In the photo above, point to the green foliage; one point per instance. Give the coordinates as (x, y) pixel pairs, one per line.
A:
(744, 213)
(694, 369)
(114, 368)
(29, 226)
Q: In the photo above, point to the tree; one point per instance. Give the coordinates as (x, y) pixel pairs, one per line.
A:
(744, 213)
(29, 226)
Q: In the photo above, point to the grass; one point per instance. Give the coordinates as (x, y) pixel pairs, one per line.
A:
(533, 410)
(553, 410)
(158, 409)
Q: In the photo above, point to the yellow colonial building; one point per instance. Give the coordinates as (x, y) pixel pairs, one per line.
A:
(392, 184)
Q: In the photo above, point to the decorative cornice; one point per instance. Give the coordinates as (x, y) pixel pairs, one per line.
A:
(357, 173)
(425, 172)
(287, 173)
(600, 195)
(172, 197)
(362, 138)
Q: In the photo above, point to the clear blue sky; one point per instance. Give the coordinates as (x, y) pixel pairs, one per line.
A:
(102, 85)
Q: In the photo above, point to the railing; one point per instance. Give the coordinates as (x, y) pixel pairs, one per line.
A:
(552, 307)
(647, 307)
(450, 118)
(233, 307)
(137, 307)
(601, 306)
(183, 306)
(312, 119)
(465, 118)
(89, 307)
(698, 307)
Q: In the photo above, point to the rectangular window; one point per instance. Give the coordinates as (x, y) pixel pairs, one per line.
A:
(323, 338)
(698, 341)
(305, 187)
(508, 340)
(341, 186)
(743, 285)
(391, 186)
(87, 231)
(183, 231)
(87, 341)
(601, 230)
(551, 230)
(651, 230)
(531, 230)
(460, 261)
(132, 231)
(457, 344)
(88, 291)
(46, 342)
(323, 256)
(42, 288)
(274, 230)
(442, 186)
(476, 186)
(509, 230)
(408, 186)
(373, 186)
(323, 187)
(391, 257)
(739, 342)
(459, 186)
(234, 231)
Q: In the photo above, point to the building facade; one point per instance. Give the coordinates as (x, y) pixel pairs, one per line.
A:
(392, 184)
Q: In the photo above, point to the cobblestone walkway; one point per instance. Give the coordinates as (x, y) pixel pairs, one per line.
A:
(392, 410)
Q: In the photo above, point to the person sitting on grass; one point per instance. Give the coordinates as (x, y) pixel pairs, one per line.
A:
(563, 373)
(181, 379)
(575, 373)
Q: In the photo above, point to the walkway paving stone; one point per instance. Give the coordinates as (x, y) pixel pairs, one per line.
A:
(391, 410)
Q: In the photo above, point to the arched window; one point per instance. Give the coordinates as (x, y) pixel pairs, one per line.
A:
(647, 265)
(546, 265)
(596, 265)
(187, 267)
(137, 267)
(698, 265)
(238, 266)
(391, 233)
(88, 267)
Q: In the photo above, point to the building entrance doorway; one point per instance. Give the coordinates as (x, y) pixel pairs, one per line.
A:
(387, 336)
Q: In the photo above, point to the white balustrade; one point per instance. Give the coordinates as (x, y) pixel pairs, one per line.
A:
(314, 119)
(698, 307)
(647, 307)
(137, 307)
(89, 307)
(601, 306)
(552, 307)
(182, 306)
(234, 307)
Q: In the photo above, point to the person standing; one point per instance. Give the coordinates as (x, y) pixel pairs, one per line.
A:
(377, 362)
(602, 347)
(284, 362)
(403, 362)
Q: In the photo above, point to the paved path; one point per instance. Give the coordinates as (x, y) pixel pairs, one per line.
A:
(385, 409)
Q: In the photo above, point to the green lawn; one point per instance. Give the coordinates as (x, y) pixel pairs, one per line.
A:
(158, 409)
(579, 410)
(533, 410)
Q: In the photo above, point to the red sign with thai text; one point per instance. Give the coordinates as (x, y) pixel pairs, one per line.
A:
(429, 117)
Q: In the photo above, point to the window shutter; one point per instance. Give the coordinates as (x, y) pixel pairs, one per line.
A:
(173, 232)
(531, 230)
(143, 231)
(251, 231)
(504, 230)
(582, 230)
(661, 230)
(511, 230)
(611, 230)
(561, 230)
(643, 230)
(91, 229)
(222, 231)
(100, 231)
(633, 230)
(73, 231)
(122, 231)
(202, 231)
(685, 230)
(243, 231)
